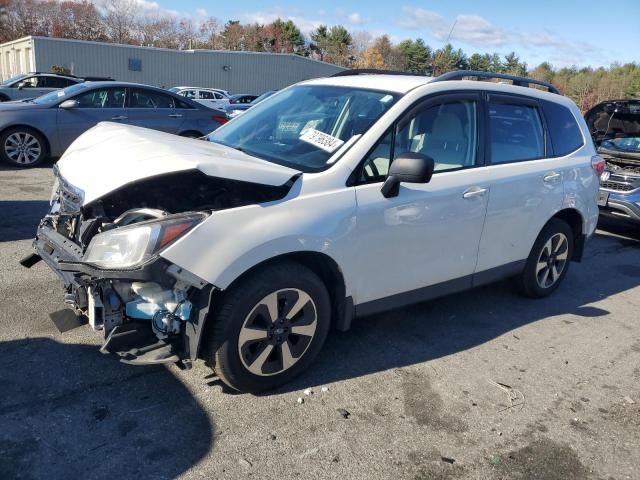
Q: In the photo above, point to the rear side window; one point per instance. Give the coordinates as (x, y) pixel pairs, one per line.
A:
(515, 132)
(150, 99)
(563, 129)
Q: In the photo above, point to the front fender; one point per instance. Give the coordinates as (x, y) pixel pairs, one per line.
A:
(230, 242)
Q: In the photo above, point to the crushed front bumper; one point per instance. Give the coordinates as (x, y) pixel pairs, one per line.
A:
(130, 306)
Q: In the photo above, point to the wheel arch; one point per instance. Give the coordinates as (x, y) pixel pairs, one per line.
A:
(575, 220)
(326, 268)
(4, 97)
(47, 143)
(186, 133)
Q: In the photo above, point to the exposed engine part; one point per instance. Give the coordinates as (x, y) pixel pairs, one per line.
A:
(104, 308)
(165, 323)
(182, 192)
(136, 215)
(625, 168)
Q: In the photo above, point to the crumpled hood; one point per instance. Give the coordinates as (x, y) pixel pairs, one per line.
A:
(614, 118)
(112, 155)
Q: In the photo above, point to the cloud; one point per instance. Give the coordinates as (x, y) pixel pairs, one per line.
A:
(202, 12)
(477, 31)
(354, 18)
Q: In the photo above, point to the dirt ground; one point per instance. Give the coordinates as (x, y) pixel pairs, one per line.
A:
(480, 385)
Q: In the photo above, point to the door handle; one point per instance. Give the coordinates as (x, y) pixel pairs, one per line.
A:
(552, 177)
(472, 192)
(119, 117)
(176, 115)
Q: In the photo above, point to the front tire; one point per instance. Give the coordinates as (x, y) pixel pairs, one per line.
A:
(548, 261)
(22, 147)
(269, 327)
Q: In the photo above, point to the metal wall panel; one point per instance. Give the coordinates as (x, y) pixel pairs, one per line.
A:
(237, 72)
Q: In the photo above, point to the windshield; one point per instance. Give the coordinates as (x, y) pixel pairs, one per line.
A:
(303, 126)
(174, 89)
(10, 80)
(626, 144)
(263, 96)
(57, 95)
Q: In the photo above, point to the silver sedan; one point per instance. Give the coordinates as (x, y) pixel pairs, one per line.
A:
(32, 130)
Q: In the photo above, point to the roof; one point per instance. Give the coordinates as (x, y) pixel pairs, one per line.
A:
(389, 83)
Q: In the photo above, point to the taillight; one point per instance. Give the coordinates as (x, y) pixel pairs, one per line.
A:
(221, 119)
(598, 164)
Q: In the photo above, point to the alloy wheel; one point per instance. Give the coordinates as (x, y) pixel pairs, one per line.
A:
(277, 332)
(552, 260)
(22, 148)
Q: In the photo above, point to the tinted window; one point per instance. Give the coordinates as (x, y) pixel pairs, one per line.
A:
(183, 104)
(102, 98)
(189, 94)
(563, 129)
(56, 82)
(515, 133)
(205, 95)
(150, 99)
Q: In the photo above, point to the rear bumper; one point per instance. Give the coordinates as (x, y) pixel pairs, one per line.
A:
(622, 206)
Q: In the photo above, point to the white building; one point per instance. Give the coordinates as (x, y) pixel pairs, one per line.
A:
(237, 72)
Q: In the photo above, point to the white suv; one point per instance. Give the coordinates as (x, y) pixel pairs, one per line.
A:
(336, 197)
(211, 97)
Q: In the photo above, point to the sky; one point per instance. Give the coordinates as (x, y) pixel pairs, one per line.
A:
(564, 33)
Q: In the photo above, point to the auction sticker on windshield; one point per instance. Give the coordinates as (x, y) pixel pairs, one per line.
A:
(321, 140)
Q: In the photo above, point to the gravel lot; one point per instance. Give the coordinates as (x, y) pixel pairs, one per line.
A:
(481, 385)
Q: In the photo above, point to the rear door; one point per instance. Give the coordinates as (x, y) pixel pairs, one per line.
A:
(526, 187)
(95, 106)
(154, 109)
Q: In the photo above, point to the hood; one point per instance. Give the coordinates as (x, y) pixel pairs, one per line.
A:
(22, 105)
(614, 119)
(111, 155)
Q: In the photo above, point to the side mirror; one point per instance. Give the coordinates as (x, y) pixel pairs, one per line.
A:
(409, 167)
(69, 104)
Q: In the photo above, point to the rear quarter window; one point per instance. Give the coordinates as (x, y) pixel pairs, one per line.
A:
(564, 131)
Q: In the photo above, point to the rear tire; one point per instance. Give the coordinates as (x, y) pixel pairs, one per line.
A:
(22, 147)
(4, 98)
(548, 261)
(255, 343)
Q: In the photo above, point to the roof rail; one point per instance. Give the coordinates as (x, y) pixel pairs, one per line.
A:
(518, 81)
(371, 71)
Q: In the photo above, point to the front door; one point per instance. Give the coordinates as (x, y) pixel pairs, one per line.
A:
(423, 242)
(94, 106)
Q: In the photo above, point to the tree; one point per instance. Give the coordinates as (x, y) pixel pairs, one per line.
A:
(285, 37)
(513, 66)
(120, 19)
(333, 44)
(415, 56)
(232, 35)
(447, 59)
(480, 62)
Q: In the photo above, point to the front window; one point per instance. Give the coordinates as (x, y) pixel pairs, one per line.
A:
(304, 126)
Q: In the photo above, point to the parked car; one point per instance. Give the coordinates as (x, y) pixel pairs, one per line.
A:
(35, 84)
(211, 97)
(235, 109)
(337, 197)
(31, 131)
(615, 128)
(242, 98)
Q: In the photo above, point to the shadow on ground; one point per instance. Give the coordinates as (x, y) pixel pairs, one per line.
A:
(20, 218)
(462, 321)
(68, 412)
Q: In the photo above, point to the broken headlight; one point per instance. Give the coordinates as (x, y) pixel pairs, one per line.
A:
(130, 246)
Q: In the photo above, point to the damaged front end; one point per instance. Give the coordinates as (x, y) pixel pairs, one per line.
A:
(107, 255)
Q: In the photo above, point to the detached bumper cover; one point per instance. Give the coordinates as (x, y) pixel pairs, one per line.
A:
(64, 257)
